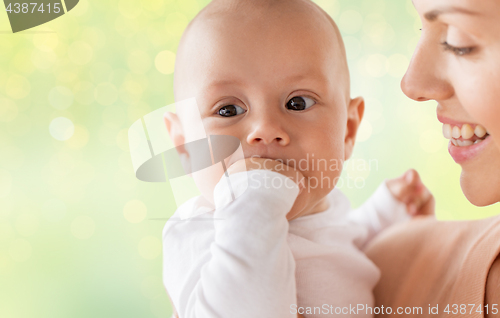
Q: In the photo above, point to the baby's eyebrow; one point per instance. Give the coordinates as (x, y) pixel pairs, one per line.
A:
(222, 82)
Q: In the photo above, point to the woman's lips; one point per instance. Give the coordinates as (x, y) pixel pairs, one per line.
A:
(462, 154)
(466, 140)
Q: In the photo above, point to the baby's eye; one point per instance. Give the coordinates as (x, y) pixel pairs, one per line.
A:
(230, 110)
(300, 103)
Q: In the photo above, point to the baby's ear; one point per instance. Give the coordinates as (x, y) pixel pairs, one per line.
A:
(175, 131)
(355, 112)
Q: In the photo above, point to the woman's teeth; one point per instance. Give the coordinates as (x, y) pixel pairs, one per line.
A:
(465, 136)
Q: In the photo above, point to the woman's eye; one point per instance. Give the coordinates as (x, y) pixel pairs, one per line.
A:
(230, 110)
(460, 51)
(300, 103)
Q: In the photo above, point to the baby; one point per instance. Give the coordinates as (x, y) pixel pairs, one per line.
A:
(271, 242)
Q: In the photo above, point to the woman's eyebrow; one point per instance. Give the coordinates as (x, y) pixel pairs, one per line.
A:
(434, 14)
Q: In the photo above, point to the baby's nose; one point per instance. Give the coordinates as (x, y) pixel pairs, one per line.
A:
(268, 132)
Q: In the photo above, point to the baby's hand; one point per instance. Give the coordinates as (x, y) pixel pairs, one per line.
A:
(277, 166)
(410, 190)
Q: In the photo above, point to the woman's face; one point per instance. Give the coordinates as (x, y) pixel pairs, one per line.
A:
(457, 64)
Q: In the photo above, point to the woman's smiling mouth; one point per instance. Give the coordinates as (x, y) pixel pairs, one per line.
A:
(466, 140)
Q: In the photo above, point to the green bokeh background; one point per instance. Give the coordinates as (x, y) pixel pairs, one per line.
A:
(79, 235)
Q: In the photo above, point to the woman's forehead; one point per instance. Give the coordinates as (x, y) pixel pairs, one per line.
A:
(431, 9)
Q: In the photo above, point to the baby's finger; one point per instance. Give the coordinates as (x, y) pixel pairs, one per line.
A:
(422, 204)
(410, 186)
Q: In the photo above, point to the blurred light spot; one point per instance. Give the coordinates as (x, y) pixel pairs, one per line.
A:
(60, 97)
(353, 47)
(122, 140)
(114, 115)
(117, 76)
(5, 183)
(138, 110)
(54, 210)
(107, 134)
(155, 6)
(357, 168)
(139, 62)
(126, 27)
(6, 268)
(364, 132)
(130, 8)
(152, 286)
(398, 64)
(80, 53)
(81, 8)
(135, 211)
(84, 92)
(125, 181)
(160, 306)
(417, 25)
(45, 41)
(131, 90)
(8, 110)
(149, 247)
(100, 72)
(12, 157)
(20, 61)
(125, 163)
(26, 224)
(83, 173)
(79, 139)
(105, 94)
(20, 250)
(165, 62)
(350, 22)
(83, 227)
(376, 65)
(20, 126)
(61, 163)
(94, 37)
(68, 73)
(156, 35)
(380, 33)
(61, 128)
(43, 60)
(7, 204)
(432, 141)
(17, 87)
(332, 7)
(373, 108)
(6, 231)
(176, 23)
(412, 44)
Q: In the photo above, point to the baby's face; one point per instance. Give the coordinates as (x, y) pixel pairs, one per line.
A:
(279, 86)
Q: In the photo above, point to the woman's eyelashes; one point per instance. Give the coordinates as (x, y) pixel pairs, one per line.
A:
(300, 103)
(296, 103)
(459, 51)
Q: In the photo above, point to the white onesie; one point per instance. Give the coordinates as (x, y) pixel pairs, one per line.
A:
(244, 259)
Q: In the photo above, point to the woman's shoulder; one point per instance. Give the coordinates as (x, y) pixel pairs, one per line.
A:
(492, 297)
(426, 261)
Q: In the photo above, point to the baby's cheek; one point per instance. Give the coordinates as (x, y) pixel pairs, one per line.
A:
(324, 174)
(207, 179)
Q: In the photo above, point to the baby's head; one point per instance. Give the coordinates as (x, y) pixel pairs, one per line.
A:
(272, 73)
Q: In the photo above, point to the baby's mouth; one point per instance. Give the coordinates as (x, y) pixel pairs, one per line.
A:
(466, 135)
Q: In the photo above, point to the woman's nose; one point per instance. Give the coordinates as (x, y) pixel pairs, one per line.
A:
(426, 77)
(266, 130)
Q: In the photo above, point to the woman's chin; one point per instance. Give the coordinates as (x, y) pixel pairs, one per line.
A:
(481, 190)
